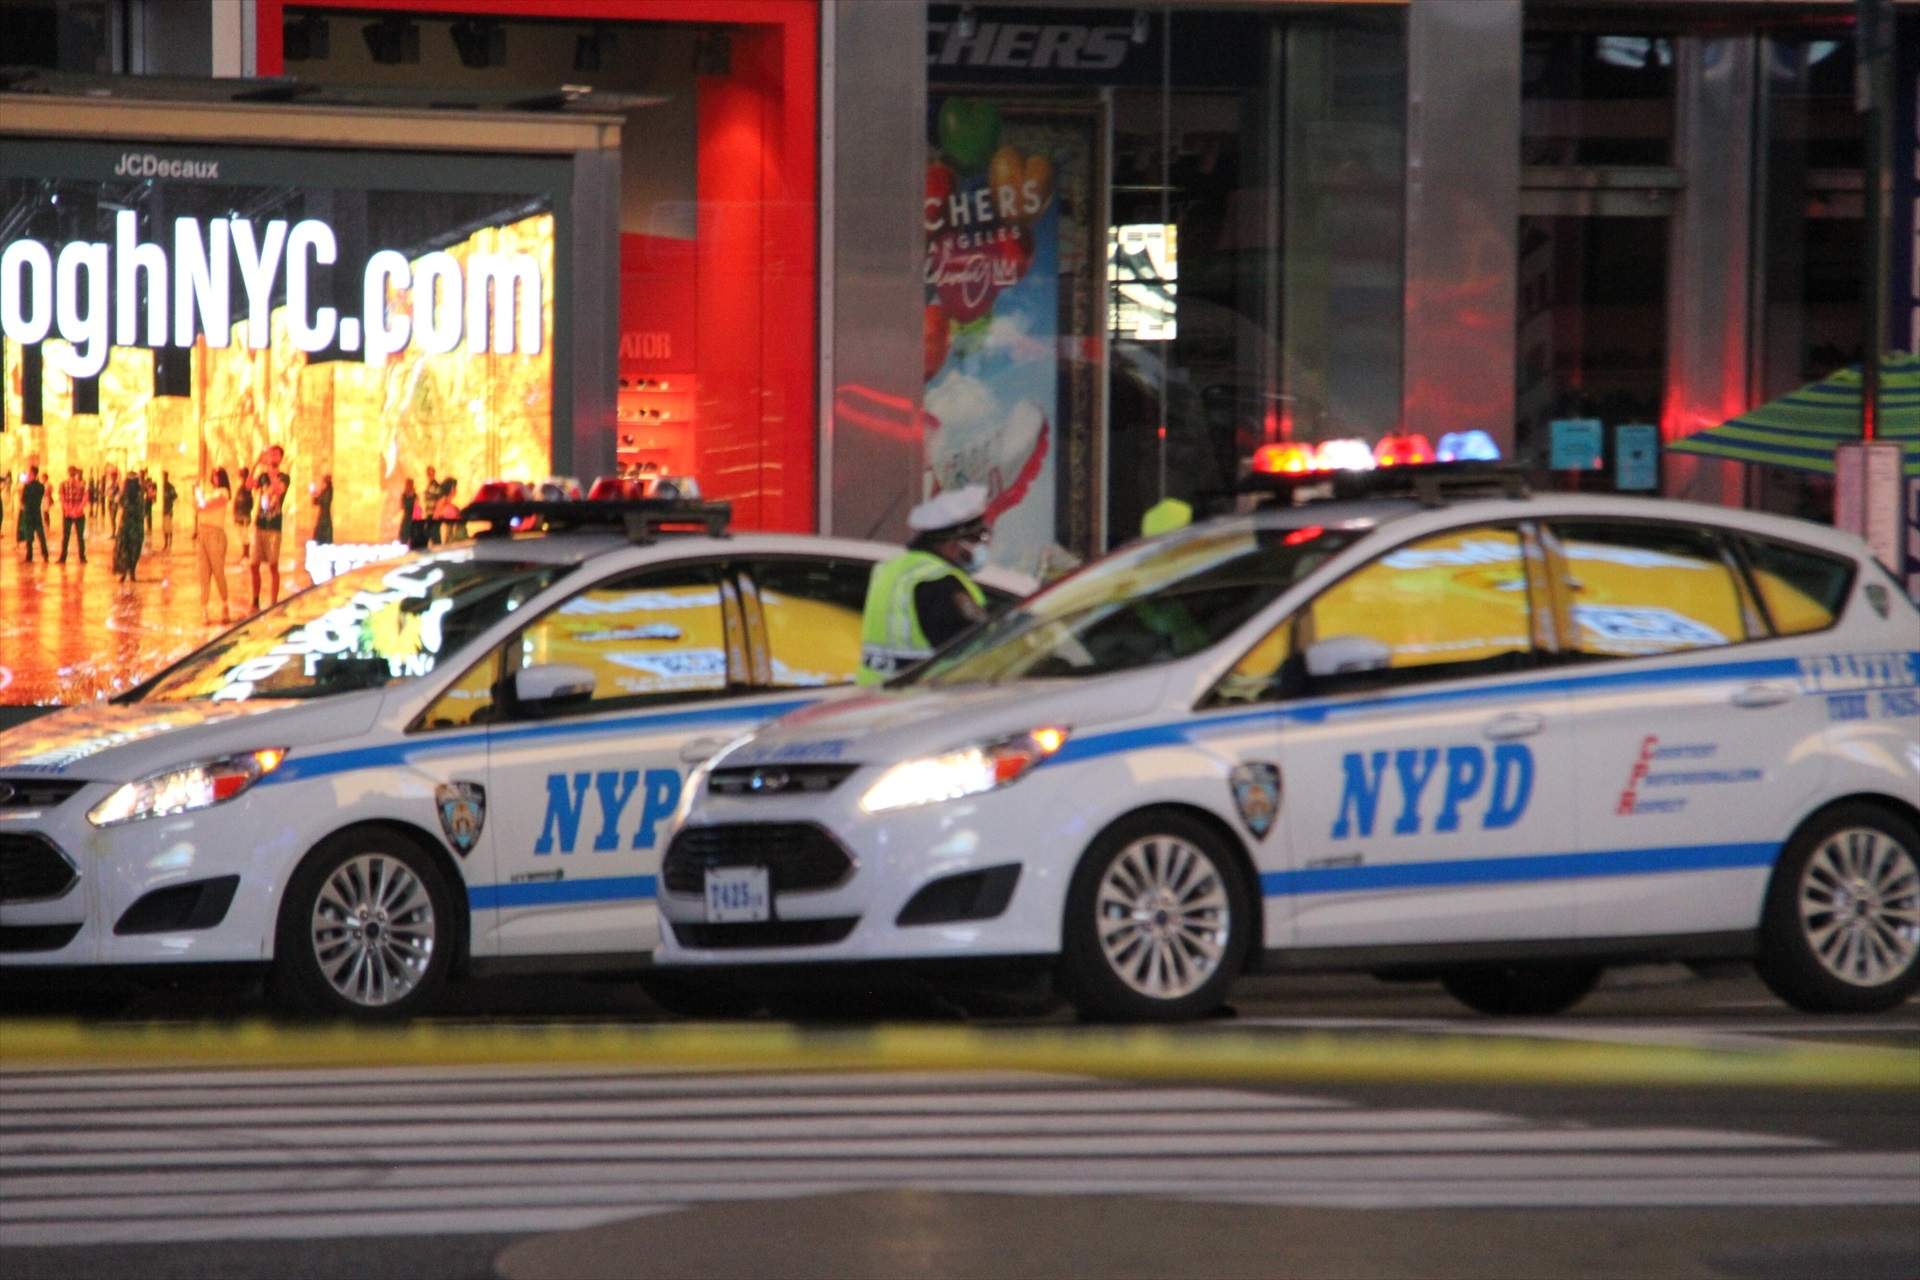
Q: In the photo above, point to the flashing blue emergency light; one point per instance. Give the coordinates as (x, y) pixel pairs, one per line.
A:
(1467, 446)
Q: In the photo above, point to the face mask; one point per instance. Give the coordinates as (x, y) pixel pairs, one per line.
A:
(977, 559)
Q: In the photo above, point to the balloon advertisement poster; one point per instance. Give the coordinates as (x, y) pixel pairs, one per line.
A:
(1002, 186)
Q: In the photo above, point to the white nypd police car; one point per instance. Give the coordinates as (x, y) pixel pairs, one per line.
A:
(460, 758)
(1503, 741)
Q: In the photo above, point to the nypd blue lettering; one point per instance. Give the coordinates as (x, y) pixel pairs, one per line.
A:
(1433, 789)
(651, 795)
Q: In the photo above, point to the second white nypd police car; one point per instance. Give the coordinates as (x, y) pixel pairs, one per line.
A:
(1505, 741)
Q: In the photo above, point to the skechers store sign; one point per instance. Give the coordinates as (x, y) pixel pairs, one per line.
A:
(212, 272)
(1024, 47)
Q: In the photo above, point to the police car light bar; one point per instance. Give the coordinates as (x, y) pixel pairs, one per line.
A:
(642, 519)
(1430, 484)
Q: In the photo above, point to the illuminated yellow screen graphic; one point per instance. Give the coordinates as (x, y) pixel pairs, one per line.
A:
(470, 413)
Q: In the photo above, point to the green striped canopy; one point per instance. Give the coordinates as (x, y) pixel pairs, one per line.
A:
(1800, 429)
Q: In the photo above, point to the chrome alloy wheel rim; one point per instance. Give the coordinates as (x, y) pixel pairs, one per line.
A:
(373, 930)
(1860, 906)
(1163, 918)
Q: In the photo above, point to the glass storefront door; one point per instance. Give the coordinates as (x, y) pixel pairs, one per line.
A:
(1158, 238)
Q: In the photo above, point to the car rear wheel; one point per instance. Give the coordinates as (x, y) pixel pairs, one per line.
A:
(1521, 990)
(366, 929)
(1841, 930)
(1158, 922)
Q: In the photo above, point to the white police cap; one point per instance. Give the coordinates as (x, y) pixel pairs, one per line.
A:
(949, 510)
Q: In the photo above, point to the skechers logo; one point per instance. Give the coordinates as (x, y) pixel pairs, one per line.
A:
(1463, 777)
(659, 792)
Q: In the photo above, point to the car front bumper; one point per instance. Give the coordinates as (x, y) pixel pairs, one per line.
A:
(199, 887)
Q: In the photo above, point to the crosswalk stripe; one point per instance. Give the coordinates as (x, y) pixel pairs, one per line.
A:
(1868, 1180)
(342, 1150)
(1232, 1173)
(212, 1132)
(760, 1132)
(965, 1099)
(180, 1156)
(437, 1222)
(274, 1082)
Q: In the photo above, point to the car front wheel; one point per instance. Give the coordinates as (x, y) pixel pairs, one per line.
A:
(1841, 931)
(366, 929)
(1158, 922)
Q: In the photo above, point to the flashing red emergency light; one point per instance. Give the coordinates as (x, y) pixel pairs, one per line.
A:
(1412, 449)
(614, 489)
(501, 491)
(1282, 460)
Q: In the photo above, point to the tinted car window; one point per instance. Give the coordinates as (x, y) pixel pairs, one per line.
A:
(1154, 601)
(1448, 605)
(1638, 590)
(1801, 590)
(363, 629)
(812, 610)
(647, 635)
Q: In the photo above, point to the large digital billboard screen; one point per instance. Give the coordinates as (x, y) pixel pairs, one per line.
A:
(171, 313)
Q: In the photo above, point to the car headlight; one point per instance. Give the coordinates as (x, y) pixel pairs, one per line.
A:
(189, 787)
(965, 772)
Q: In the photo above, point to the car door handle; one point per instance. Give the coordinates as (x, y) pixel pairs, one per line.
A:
(1762, 695)
(1515, 724)
(701, 749)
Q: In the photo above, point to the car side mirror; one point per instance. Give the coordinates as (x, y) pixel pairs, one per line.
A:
(1347, 656)
(552, 685)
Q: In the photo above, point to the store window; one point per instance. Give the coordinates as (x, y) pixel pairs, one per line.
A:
(1157, 238)
(1811, 214)
(1598, 188)
(58, 35)
(1596, 99)
(1592, 324)
(717, 206)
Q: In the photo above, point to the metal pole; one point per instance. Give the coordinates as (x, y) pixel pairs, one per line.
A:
(1873, 98)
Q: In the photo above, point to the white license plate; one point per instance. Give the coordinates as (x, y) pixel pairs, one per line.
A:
(736, 894)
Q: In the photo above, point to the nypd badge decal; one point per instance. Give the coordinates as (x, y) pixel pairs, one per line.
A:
(463, 812)
(1256, 793)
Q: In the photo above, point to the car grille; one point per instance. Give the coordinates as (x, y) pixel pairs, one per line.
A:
(32, 869)
(797, 855)
(36, 793)
(777, 779)
(764, 933)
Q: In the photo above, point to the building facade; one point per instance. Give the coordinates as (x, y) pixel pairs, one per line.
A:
(1093, 255)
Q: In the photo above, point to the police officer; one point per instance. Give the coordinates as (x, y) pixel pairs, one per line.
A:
(918, 601)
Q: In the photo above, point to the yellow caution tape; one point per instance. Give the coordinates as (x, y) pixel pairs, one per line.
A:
(1191, 1053)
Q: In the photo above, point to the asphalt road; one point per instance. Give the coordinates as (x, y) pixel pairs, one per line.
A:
(533, 1172)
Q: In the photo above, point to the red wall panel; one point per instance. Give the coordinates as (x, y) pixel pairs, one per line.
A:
(755, 285)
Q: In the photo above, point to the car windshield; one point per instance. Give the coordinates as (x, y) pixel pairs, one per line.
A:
(1155, 601)
(361, 630)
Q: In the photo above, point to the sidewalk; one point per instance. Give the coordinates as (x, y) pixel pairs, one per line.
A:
(72, 633)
